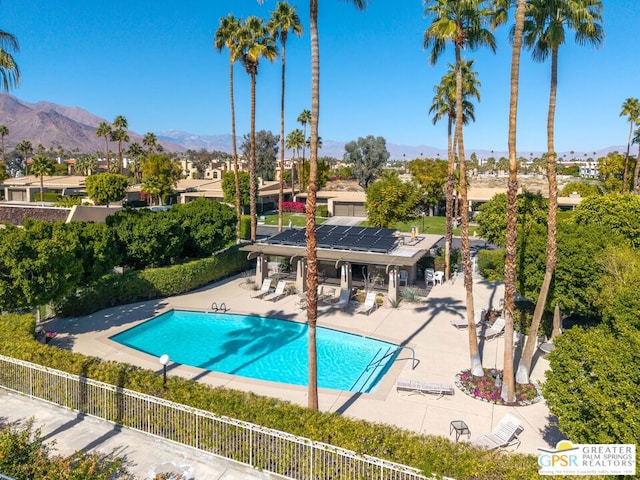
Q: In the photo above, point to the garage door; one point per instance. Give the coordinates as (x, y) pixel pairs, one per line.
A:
(350, 210)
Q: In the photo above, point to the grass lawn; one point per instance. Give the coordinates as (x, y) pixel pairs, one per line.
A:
(430, 225)
(297, 219)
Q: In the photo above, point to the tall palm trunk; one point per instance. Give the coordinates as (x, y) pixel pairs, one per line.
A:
(252, 160)
(312, 254)
(527, 355)
(636, 174)
(106, 141)
(508, 385)
(626, 161)
(281, 187)
(474, 353)
(234, 151)
(451, 179)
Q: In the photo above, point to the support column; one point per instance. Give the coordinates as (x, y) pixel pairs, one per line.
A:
(301, 275)
(262, 270)
(345, 276)
(393, 285)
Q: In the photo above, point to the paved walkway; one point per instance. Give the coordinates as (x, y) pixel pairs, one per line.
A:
(145, 456)
(441, 349)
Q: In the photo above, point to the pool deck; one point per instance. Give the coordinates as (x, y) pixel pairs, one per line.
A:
(441, 349)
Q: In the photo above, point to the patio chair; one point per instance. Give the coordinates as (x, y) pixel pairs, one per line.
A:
(266, 288)
(369, 304)
(403, 277)
(429, 276)
(461, 323)
(503, 435)
(494, 331)
(278, 293)
(343, 300)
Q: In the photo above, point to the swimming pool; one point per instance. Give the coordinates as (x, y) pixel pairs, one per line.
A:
(264, 348)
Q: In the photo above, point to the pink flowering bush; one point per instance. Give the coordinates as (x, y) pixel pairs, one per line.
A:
(489, 387)
(295, 207)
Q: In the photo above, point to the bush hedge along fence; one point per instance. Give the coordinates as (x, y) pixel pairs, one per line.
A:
(140, 285)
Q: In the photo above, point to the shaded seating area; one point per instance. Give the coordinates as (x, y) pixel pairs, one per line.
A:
(505, 434)
(494, 331)
(369, 304)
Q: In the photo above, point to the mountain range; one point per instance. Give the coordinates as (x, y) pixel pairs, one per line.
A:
(72, 128)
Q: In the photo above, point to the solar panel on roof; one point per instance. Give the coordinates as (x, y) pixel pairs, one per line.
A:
(378, 240)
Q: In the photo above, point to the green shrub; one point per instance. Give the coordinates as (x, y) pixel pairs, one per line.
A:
(245, 227)
(322, 211)
(491, 264)
(114, 289)
(48, 196)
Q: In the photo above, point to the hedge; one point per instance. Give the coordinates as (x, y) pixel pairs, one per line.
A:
(431, 454)
(491, 264)
(139, 285)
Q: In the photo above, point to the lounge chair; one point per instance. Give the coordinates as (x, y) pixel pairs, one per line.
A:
(461, 323)
(278, 293)
(369, 304)
(416, 386)
(343, 300)
(503, 435)
(494, 331)
(266, 288)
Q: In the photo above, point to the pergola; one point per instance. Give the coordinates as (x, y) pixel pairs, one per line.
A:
(380, 254)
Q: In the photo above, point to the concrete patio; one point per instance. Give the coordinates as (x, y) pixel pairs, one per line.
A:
(441, 349)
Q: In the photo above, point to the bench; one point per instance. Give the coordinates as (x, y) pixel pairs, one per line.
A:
(416, 386)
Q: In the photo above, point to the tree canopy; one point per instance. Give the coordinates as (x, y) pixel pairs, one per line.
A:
(266, 153)
(106, 188)
(367, 156)
(390, 200)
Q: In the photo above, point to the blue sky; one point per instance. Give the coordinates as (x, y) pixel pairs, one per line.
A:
(155, 64)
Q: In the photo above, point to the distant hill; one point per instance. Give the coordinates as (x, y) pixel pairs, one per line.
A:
(71, 128)
(54, 125)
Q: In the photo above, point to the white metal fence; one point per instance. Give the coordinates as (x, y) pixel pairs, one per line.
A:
(261, 448)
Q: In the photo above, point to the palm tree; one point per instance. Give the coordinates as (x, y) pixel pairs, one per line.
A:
(544, 33)
(104, 130)
(255, 43)
(119, 134)
(227, 36)
(461, 22)
(636, 173)
(9, 71)
(136, 152)
(630, 108)
(151, 142)
(283, 19)
(85, 165)
(500, 16)
(40, 167)
(312, 254)
(295, 141)
(444, 104)
(4, 131)
(304, 118)
(25, 148)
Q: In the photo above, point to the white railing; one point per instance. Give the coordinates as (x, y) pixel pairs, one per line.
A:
(261, 448)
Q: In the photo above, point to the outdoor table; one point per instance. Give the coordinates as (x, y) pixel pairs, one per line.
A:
(460, 427)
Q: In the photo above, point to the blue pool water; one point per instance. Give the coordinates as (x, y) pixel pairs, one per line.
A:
(263, 348)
